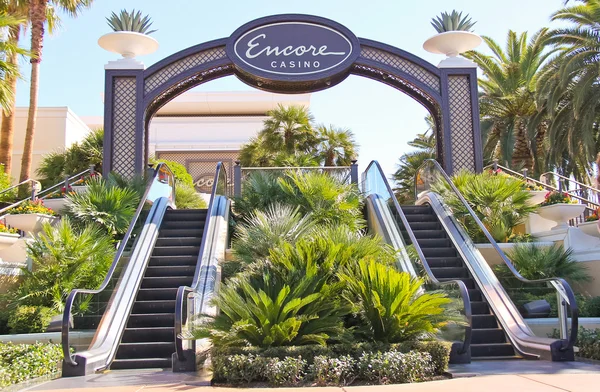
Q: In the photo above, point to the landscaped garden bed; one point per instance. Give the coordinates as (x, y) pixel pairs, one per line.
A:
(21, 362)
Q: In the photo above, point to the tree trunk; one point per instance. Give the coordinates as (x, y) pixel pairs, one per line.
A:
(330, 158)
(8, 117)
(37, 17)
(521, 157)
(540, 149)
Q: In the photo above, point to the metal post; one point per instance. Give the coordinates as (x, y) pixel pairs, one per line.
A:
(525, 174)
(237, 179)
(35, 188)
(149, 171)
(562, 317)
(495, 166)
(354, 172)
(92, 169)
(67, 184)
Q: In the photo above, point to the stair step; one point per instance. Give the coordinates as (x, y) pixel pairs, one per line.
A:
(470, 283)
(439, 252)
(434, 242)
(157, 294)
(145, 307)
(426, 234)
(145, 350)
(444, 262)
(178, 241)
(157, 334)
(181, 232)
(450, 272)
(480, 307)
(492, 350)
(151, 320)
(178, 224)
(160, 261)
(484, 321)
(488, 335)
(426, 209)
(173, 270)
(176, 250)
(167, 281)
(142, 363)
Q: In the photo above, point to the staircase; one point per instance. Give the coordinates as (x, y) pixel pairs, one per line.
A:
(148, 340)
(488, 339)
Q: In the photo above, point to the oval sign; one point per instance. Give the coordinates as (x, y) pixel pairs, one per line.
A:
(293, 48)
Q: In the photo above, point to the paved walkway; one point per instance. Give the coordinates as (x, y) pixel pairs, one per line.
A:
(487, 376)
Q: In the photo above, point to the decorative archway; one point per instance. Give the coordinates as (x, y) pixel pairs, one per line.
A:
(133, 95)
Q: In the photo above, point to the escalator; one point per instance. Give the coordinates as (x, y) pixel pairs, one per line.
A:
(134, 319)
(443, 252)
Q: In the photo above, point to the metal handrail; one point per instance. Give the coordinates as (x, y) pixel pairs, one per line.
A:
(70, 299)
(183, 291)
(18, 185)
(570, 180)
(461, 285)
(564, 291)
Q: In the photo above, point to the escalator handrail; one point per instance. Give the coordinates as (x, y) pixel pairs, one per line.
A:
(160, 169)
(464, 293)
(183, 290)
(566, 293)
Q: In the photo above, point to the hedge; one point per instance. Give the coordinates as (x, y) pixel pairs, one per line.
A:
(20, 362)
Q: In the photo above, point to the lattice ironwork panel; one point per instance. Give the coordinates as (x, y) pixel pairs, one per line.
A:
(123, 126)
(408, 67)
(172, 70)
(461, 123)
(202, 165)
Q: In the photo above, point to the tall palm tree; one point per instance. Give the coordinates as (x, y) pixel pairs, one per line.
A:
(38, 14)
(289, 129)
(508, 100)
(568, 89)
(337, 146)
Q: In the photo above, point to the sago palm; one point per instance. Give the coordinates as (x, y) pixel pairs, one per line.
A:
(337, 147)
(38, 11)
(391, 305)
(508, 99)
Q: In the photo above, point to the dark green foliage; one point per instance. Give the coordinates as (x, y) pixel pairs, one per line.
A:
(55, 166)
(393, 367)
(20, 362)
(64, 258)
(186, 197)
(179, 171)
(591, 308)
(30, 319)
(333, 371)
(5, 182)
(537, 262)
(259, 190)
(285, 372)
(588, 342)
(389, 304)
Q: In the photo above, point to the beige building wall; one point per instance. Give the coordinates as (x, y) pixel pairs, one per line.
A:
(56, 128)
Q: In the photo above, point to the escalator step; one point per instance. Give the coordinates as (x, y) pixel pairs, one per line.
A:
(450, 272)
(492, 350)
(475, 295)
(178, 241)
(160, 261)
(157, 334)
(425, 226)
(172, 270)
(166, 281)
(142, 363)
(181, 233)
(488, 335)
(427, 234)
(151, 320)
(426, 209)
(145, 350)
(157, 294)
(420, 218)
(176, 250)
(470, 283)
(177, 224)
(484, 321)
(434, 242)
(480, 307)
(444, 262)
(144, 307)
(439, 252)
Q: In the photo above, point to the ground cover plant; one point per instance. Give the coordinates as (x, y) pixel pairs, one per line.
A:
(21, 362)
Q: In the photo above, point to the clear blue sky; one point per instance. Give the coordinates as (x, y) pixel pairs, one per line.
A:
(382, 118)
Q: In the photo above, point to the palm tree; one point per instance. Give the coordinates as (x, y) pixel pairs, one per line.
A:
(411, 161)
(11, 18)
(38, 14)
(508, 101)
(569, 92)
(289, 129)
(337, 146)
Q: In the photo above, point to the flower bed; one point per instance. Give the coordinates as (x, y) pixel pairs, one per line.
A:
(20, 362)
(340, 364)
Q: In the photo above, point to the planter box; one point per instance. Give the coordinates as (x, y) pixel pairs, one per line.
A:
(537, 197)
(79, 188)
(55, 204)
(30, 223)
(561, 213)
(590, 228)
(8, 240)
(493, 258)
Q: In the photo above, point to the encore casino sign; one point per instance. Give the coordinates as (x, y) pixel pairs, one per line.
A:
(291, 51)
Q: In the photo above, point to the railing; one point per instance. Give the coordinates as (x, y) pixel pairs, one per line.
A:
(194, 300)
(430, 174)
(43, 194)
(346, 174)
(582, 195)
(375, 183)
(96, 310)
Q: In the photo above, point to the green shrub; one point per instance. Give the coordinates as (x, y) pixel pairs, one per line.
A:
(333, 371)
(179, 171)
(499, 201)
(64, 258)
(20, 362)
(259, 190)
(390, 305)
(288, 371)
(30, 319)
(186, 197)
(591, 308)
(238, 368)
(588, 342)
(394, 367)
(5, 182)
